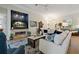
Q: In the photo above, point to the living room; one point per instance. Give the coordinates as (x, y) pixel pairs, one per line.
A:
(40, 28)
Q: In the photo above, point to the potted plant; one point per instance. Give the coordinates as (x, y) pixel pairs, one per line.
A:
(11, 36)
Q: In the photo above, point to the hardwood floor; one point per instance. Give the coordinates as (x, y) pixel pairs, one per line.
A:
(74, 45)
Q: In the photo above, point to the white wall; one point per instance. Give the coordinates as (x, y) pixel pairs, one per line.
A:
(3, 19)
(32, 16)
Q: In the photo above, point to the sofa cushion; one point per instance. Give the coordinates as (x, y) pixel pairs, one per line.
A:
(59, 38)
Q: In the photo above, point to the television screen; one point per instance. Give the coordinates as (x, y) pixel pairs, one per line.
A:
(19, 20)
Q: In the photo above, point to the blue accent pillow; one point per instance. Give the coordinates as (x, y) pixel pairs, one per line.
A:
(50, 38)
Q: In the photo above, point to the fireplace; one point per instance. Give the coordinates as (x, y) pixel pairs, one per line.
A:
(20, 35)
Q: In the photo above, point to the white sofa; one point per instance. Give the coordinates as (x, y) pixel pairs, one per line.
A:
(48, 47)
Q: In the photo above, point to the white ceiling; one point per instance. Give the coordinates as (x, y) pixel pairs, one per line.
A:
(54, 9)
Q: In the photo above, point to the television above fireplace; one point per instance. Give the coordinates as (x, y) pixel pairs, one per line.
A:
(19, 20)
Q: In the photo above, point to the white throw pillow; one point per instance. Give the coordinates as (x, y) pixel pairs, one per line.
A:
(59, 38)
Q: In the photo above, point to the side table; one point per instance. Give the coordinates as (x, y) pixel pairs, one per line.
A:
(34, 40)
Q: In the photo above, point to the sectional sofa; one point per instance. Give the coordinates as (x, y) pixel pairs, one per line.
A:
(60, 44)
